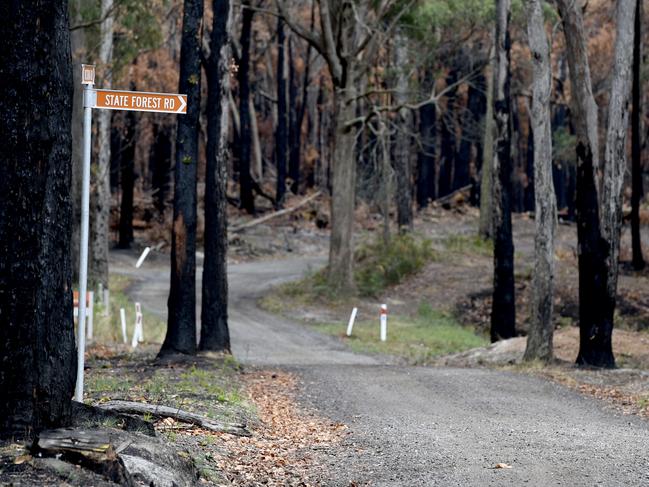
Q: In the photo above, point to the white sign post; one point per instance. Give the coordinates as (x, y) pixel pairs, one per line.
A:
(350, 325)
(110, 100)
(384, 322)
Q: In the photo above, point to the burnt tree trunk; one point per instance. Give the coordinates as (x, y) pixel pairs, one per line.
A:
(503, 311)
(214, 305)
(637, 191)
(447, 148)
(37, 346)
(426, 156)
(485, 226)
(281, 134)
(126, 158)
(539, 338)
(246, 195)
(181, 323)
(294, 127)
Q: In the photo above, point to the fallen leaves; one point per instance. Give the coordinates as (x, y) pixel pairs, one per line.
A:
(502, 466)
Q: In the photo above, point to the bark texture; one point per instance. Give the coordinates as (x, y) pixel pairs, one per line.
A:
(181, 325)
(637, 191)
(100, 198)
(402, 144)
(281, 134)
(503, 311)
(485, 228)
(539, 338)
(215, 334)
(37, 347)
(247, 198)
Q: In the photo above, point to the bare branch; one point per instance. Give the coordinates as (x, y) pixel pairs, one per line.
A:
(311, 37)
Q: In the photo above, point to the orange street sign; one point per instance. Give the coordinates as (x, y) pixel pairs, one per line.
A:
(140, 101)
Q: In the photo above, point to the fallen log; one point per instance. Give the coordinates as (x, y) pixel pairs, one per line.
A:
(90, 449)
(275, 214)
(160, 411)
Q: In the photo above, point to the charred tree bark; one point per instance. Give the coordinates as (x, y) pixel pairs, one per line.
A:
(160, 166)
(615, 164)
(539, 338)
(37, 351)
(246, 195)
(294, 128)
(426, 156)
(503, 311)
(181, 324)
(215, 334)
(126, 159)
(281, 135)
(637, 191)
(485, 229)
(447, 148)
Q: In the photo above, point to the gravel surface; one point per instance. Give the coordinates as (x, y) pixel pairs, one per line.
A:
(412, 426)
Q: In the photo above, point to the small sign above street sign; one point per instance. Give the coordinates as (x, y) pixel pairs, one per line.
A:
(87, 74)
(140, 101)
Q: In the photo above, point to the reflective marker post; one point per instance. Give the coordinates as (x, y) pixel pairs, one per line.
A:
(88, 80)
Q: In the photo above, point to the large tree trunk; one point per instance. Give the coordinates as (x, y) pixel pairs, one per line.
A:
(615, 163)
(485, 229)
(294, 127)
(214, 311)
(539, 338)
(637, 191)
(447, 147)
(245, 136)
(37, 351)
(100, 199)
(181, 325)
(281, 135)
(341, 245)
(402, 143)
(503, 311)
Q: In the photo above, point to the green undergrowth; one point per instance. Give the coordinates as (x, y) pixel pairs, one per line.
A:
(377, 266)
(468, 245)
(107, 328)
(418, 339)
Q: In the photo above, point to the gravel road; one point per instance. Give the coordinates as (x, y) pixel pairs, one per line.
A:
(419, 426)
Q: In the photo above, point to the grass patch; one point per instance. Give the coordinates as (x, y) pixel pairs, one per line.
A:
(107, 327)
(377, 266)
(419, 339)
(469, 245)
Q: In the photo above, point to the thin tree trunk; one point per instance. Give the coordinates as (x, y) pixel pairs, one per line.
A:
(78, 45)
(214, 306)
(100, 199)
(402, 146)
(637, 191)
(127, 180)
(447, 148)
(294, 128)
(245, 140)
(503, 311)
(485, 229)
(426, 156)
(281, 136)
(181, 324)
(37, 351)
(539, 338)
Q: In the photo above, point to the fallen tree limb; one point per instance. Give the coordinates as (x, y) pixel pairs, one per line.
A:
(450, 196)
(275, 214)
(160, 411)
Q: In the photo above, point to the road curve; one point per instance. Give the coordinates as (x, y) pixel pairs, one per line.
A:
(420, 426)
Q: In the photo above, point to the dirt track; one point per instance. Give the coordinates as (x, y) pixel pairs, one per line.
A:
(423, 426)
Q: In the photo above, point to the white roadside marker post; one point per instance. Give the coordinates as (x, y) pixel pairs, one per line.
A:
(122, 315)
(88, 80)
(142, 257)
(350, 325)
(384, 322)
